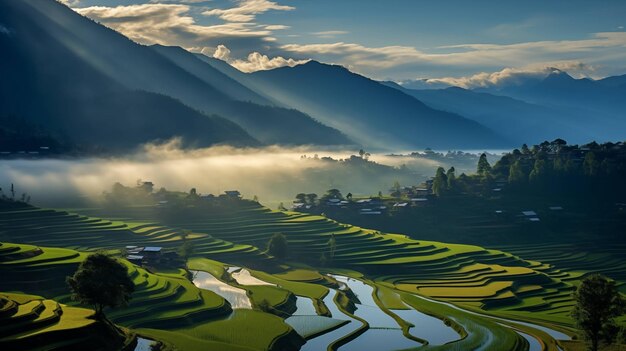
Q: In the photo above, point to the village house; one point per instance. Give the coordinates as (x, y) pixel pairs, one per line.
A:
(149, 255)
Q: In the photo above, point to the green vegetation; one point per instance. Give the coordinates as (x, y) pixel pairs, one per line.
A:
(278, 246)
(597, 304)
(101, 281)
(228, 232)
(30, 322)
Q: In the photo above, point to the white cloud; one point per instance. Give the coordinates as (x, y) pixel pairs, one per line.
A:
(329, 33)
(169, 24)
(359, 55)
(377, 60)
(259, 62)
(178, 1)
(222, 53)
(247, 10)
(174, 24)
(255, 61)
(511, 76)
(277, 27)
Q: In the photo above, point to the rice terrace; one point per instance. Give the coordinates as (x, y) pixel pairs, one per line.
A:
(284, 175)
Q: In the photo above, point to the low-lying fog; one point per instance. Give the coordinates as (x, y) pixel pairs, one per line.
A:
(273, 174)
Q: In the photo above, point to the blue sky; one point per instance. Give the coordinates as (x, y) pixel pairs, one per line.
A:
(400, 40)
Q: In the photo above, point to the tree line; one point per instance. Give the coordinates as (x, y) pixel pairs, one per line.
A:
(550, 167)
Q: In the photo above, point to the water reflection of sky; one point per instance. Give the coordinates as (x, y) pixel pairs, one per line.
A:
(235, 296)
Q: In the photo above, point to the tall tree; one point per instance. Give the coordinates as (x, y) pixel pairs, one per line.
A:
(483, 168)
(451, 178)
(101, 281)
(598, 302)
(440, 183)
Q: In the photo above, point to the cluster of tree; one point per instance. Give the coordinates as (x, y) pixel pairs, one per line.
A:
(140, 194)
(360, 161)
(309, 199)
(461, 159)
(558, 167)
(445, 181)
(550, 167)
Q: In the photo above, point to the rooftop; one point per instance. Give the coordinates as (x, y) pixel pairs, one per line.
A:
(134, 257)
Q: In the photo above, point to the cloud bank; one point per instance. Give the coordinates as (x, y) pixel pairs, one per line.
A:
(505, 77)
(274, 174)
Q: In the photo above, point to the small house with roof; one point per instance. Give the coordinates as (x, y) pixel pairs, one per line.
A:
(140, 255)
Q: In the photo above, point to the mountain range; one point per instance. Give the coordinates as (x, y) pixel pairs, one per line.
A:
(535, 109)
(74, 79)
(90, 83)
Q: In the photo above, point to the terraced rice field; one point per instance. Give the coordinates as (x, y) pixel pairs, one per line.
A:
(392, 272)
(171, 299)
(32, 322)
(464, 274)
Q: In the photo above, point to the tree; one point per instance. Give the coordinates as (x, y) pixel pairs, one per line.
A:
(396, 189)
(349, 196)
(193, 194)
(440, 183)
(333, 194)
(101, 281)
(187, 248)
(364, 155)
(451, 178)
(539, 171)
(301, 197)
(598, 302)
(311, 198)
(516, 173)
(277, 246)
(332, 246)
(483, 167)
